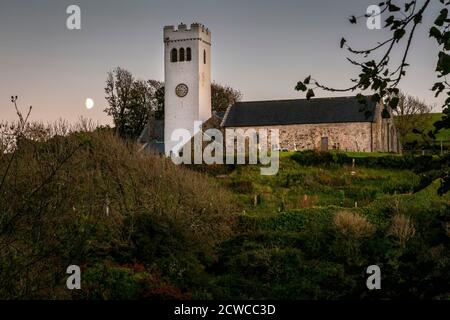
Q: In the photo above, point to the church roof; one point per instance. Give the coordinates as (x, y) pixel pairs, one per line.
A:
(153, 143)
(299, 111)
(158, 133)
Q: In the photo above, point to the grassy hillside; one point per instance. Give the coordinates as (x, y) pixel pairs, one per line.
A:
(297, 186)
(300, 235)
(137, 225)
(431, 118)
(142, 228)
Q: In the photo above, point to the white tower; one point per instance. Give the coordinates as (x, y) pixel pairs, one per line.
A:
(187, 60)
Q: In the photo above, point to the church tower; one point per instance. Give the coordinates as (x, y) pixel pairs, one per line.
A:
(187, 70)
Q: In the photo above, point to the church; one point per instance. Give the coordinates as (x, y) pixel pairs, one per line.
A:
(339, 123)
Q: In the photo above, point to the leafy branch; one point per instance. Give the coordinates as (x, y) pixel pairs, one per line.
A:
(18, 134)
(381, 75)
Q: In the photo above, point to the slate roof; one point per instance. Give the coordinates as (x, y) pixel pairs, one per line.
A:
(299, 111)
(158, 133)
(219, 114)
(155, 143)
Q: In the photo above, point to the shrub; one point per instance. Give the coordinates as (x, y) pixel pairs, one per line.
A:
(402, 229)
(110, 282)
(418, 163)
(89, 197)
(353, 225)
(242, 186)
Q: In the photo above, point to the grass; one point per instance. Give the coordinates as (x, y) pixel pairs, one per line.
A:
(289, 247)
(369, 154)
(443, 135)
(288, 154)
(142, 227)
(297, 187)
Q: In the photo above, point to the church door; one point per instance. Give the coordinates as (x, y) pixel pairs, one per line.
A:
(324, 144)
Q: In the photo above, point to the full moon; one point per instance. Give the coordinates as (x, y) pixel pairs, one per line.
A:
(89, 103)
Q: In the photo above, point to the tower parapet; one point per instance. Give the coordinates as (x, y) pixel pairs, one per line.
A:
(182, 32)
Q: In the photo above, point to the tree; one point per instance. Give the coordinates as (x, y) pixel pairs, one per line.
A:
(410, 114)
(131, 102)
(381, 73)
(118, 91)
(134, 103)
(140, 108)
(157, 88)
(223, 96)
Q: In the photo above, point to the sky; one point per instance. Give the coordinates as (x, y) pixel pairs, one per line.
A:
(260, 47)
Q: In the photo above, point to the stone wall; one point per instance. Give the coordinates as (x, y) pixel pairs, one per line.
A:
(384, 133)
(379, 135)
(344, 136)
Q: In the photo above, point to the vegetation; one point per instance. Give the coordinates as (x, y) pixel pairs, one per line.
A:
(223, 96)
(141, 227)
(415, 139)
(381, 72)
(411, 114)
(311, 231)
(138, 225)
(133, 103)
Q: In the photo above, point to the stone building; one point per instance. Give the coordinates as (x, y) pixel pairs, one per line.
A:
(320, 123)
(187, 73)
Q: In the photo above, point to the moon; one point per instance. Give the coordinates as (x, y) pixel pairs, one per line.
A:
(89, 103)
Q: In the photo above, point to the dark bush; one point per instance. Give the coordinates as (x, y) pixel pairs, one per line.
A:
(90, 197)
(417, 163)
(242, 186)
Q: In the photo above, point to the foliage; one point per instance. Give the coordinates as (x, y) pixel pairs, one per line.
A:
(90, 198)
(416, 139)
(223, 96)
(322, 252)
(418, 163)
(402, 229)
(379, 71)
(132, 103)
(410, 114)
(142, 228)
(352, 225)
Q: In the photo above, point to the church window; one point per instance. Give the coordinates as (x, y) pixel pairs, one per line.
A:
(188, 54)
(182, 54)
(204, 56)
(173, 55)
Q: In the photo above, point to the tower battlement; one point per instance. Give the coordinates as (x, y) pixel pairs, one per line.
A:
(182, 32)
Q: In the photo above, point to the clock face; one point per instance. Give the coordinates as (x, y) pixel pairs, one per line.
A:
(181, 90)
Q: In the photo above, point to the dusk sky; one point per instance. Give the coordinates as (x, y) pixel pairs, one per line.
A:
(259, 47)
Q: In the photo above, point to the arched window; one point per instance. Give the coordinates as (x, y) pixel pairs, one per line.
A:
(204, 56)
(181, 54)
(173, 55)
(188, 54)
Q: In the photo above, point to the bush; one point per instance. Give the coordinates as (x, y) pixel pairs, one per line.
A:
(419, 163)
(402, 229)
(91, 197)
(353, 225)
(242, 186)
